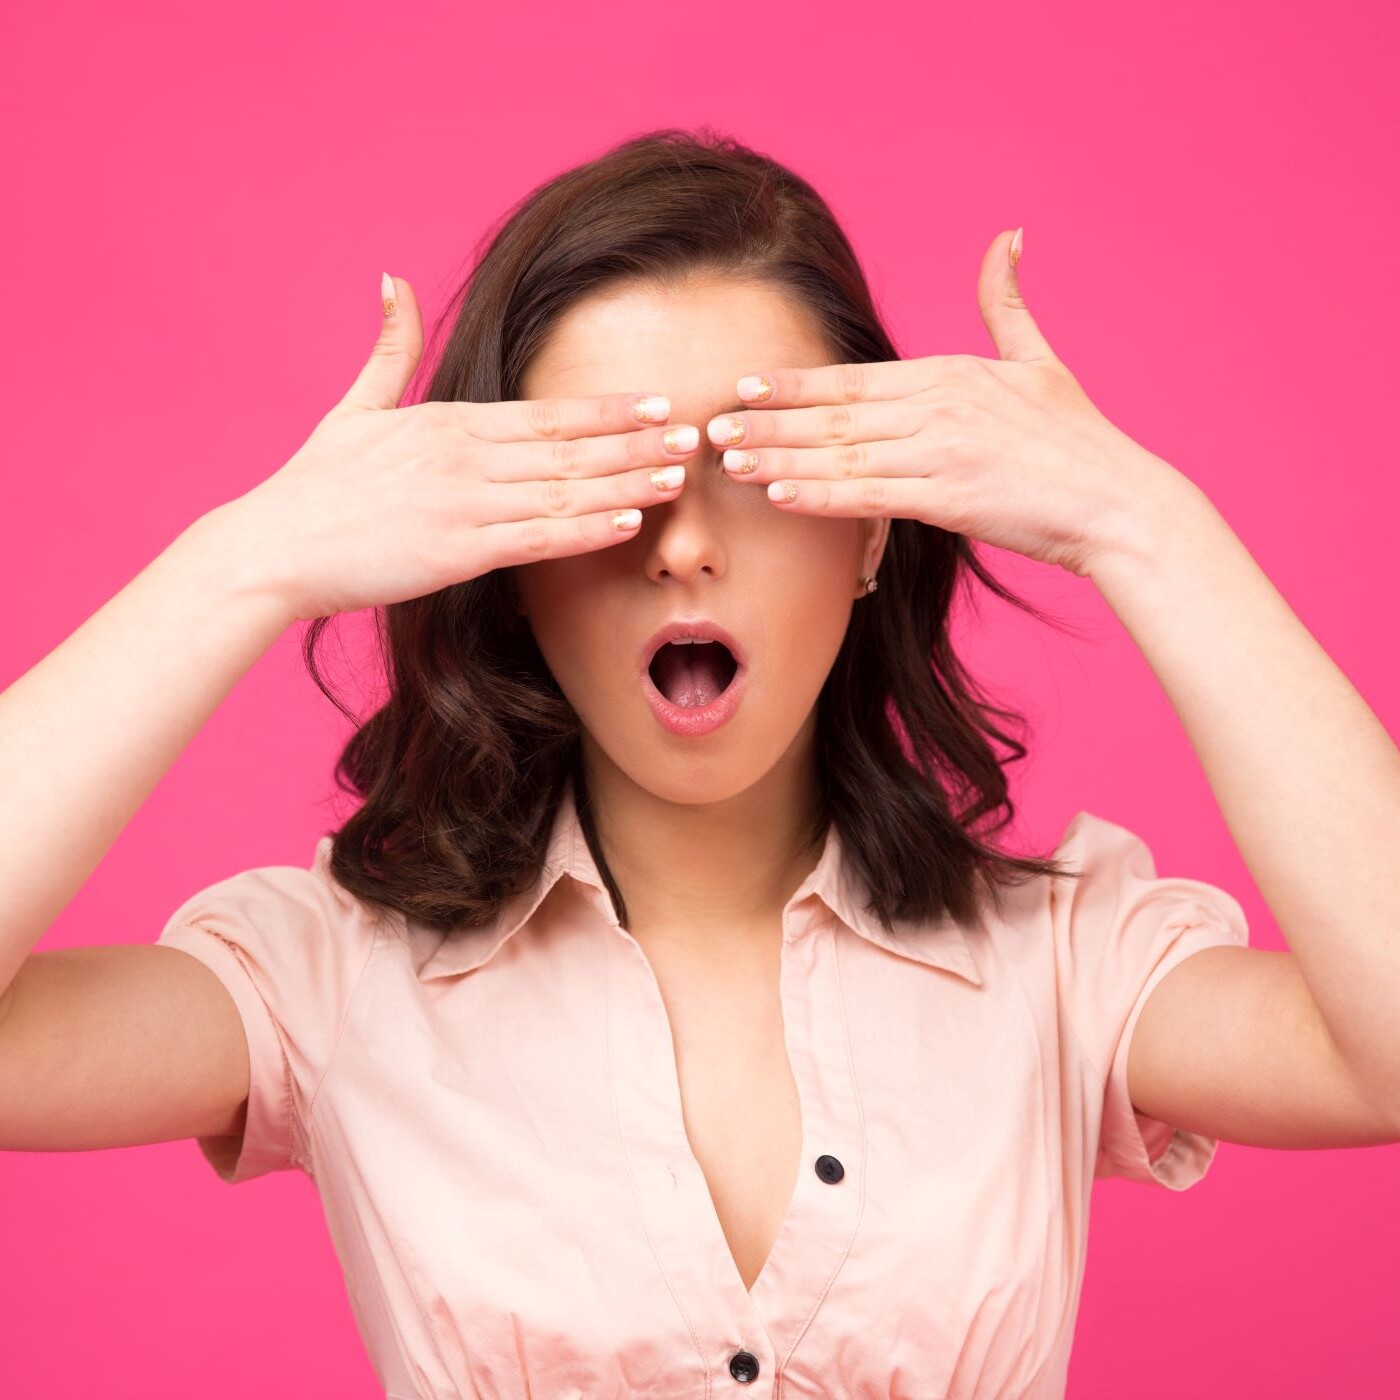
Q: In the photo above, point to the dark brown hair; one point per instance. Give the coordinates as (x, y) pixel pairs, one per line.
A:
(461, 770)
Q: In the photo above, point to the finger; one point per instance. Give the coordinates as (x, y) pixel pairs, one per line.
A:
(900, 497)
(551, 420)
(395, 356)
(835, 384)
(911, 456)
(817, 427)
(1004, 311)
(589, 456)
(559, 498)
(527, 541)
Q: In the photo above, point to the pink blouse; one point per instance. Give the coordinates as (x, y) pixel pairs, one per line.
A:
(493, 1122)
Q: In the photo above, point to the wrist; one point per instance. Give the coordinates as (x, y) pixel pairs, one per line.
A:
(1160, 520)
(226, 555)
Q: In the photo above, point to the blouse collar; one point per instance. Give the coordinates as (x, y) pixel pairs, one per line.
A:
(938, 943)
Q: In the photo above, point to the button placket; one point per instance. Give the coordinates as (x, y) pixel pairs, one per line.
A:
(817, 1231)
(673, 1197)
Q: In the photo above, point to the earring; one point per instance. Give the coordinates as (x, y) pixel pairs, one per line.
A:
(869, 585)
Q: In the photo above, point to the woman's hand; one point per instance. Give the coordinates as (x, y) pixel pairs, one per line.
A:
(384, 503)
(1010, 451)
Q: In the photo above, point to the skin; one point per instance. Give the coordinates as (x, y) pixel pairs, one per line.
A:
(703, 834)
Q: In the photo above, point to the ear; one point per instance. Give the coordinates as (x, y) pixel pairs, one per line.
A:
(876, 537)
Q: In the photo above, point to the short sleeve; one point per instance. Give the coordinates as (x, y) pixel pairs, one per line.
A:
(289, 944)
(1119, 929)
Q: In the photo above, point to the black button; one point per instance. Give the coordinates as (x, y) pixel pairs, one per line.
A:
(830, 1169)
(743, 1366)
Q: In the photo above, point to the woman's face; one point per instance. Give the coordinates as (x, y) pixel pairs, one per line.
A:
(782, 584)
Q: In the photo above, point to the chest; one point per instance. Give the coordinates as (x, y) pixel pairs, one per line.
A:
(584, 1163)
(739, 1100)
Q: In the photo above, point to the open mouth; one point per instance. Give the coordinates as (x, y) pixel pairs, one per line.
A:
(693, 674)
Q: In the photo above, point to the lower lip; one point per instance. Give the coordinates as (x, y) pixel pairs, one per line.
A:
(697, 719)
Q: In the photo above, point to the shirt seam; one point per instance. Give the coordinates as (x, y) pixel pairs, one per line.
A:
(287, 1149)
(339, 1037)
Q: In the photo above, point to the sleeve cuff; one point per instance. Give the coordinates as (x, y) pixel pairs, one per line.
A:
(267, 1141)
(1132, 1144)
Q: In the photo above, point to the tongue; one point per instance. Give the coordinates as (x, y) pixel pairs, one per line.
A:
(689, 675)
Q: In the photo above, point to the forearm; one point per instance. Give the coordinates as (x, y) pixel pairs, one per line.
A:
(88, 732)
(1307, 778)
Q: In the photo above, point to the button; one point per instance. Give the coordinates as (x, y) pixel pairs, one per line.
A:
(743, 1366)
(830, 1169)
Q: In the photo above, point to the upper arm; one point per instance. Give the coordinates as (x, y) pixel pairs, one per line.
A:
(115, 1046)
(1231, 1044)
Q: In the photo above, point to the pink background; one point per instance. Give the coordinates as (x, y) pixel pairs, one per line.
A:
(201, 201)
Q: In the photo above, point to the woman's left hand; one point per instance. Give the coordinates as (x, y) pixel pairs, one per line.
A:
(1010, 451)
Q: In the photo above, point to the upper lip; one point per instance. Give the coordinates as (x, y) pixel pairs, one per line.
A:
(680, 627)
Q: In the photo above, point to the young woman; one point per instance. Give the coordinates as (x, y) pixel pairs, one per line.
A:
(665, 1020)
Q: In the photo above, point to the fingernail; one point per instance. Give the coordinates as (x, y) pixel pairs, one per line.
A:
(784, 491)
(685, 438)
(740, 463)
(651, 408)
(627, 519)
(668, 478)
(1015, 250)
(754, 388)
(724, 430)
(387, 294)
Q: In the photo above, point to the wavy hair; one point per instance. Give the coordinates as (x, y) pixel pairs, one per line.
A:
(460, 771)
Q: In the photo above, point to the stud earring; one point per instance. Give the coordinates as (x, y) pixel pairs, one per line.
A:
(869, 585)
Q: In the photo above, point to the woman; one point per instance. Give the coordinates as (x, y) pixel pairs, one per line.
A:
(797, 1083)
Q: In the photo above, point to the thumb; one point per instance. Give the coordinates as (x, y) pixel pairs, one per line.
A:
(1013, 329)
(383, 380)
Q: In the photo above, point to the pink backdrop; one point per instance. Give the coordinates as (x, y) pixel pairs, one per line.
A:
(201, 201)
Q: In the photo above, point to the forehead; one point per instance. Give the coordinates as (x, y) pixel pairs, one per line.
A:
(695, 336)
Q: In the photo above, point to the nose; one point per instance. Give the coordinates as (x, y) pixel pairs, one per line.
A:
(683, 539)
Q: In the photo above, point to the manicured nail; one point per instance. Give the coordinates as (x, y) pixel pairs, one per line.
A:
(1015, 251)
(651, 408)
(740, 463)
(627, 519)
(725, 429)
(754, 388)
(668, 478)
(387, 294)
(685, 438)
(784, 492)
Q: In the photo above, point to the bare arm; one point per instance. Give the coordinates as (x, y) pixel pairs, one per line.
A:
(89, 731)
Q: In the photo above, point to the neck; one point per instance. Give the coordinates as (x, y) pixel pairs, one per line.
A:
(712, 877)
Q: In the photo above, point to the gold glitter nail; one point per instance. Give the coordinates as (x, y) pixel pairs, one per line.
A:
(1015, 253)
(734, 432)
(651, 408)
(762, 388)
(386, 294)
(667, 478)
(741, 463)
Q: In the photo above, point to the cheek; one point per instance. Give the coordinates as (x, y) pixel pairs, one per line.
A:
(557, 597)
(808, 585)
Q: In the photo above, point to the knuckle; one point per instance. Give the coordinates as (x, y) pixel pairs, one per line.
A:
(546, 418)
(837, 424)
(850, 461)
(558, 495)
(872, 496)
(852, 382)
(534, 537)
(564, 455)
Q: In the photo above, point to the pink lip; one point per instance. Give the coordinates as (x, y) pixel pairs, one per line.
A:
(701, 719)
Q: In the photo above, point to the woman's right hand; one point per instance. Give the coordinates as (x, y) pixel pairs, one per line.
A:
(384, 503)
